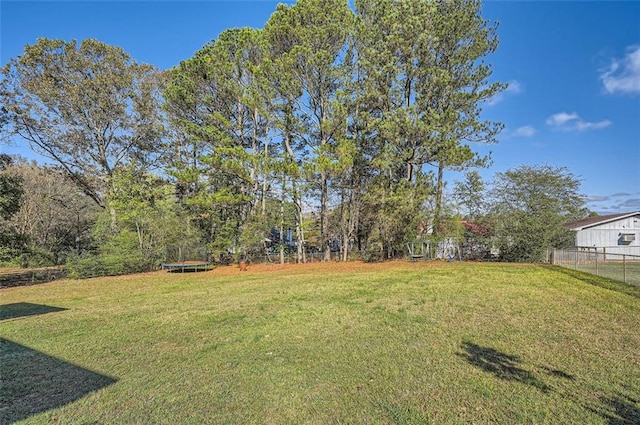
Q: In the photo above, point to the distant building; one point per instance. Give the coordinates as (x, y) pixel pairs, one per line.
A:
(614, 233)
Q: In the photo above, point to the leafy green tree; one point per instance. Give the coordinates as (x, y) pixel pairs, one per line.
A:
(455, 89)
(424, 84)
(288, 160)
(392, 47)
(11, 189)
(530, 205)
(11, 195)
(308, 41)
(392, 215)
(87, 106)
(215, 102)
(148, 218)
(470, 194)
(477, 223)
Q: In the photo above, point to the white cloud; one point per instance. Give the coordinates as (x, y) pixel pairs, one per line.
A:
(632, 203)
(595, 198)
(524, 131)
(561, 118)
(582, 125)
(572, 122)
(619, 202)
(623, 75)
(514, 87)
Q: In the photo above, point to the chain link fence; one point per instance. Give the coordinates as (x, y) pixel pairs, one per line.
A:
(21, 277)
(620, 267)
(289, 258)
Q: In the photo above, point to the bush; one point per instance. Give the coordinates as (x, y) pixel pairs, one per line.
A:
(81, 267)
(93, 265)
(12, 246)
(372, 253)
(37, 258)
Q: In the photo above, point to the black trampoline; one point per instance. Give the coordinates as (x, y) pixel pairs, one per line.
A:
(187, 266)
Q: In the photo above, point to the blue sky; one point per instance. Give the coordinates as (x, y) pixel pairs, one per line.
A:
(573, 69)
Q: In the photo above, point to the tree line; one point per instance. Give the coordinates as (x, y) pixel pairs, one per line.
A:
(335, 122)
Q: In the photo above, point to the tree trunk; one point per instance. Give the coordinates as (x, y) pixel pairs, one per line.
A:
(344, 225)
(438, 205)
(113, 219)
(324, 225)
(282, 200)
(265, 175)
(301, 257)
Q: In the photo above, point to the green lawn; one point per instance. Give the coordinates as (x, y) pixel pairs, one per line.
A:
(398, 342)
(613, 270)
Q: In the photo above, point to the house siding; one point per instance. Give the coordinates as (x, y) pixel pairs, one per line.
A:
(608, 236)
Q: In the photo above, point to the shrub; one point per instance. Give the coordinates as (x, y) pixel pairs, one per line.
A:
(94, 265)
(38, 258)
(372, 253)
(81, 267)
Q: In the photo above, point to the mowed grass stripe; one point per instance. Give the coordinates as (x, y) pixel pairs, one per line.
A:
(337, 343)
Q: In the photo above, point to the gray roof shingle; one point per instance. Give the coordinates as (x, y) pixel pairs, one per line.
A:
(592, 221)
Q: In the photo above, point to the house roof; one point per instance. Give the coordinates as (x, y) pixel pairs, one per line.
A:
(593, 221)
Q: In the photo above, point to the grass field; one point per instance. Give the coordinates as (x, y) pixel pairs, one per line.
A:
(400, 342)
(613, 270)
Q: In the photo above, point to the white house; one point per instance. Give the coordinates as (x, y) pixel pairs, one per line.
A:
(614, 234)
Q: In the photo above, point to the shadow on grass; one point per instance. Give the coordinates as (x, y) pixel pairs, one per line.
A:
(33, 382)
(15, 310)
(558, 373)
(502, 365)
(603, 282)
(618, 409)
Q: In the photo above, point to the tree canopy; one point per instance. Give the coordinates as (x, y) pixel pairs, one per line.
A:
(530, 205)
(88, 107)
(334, 125)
